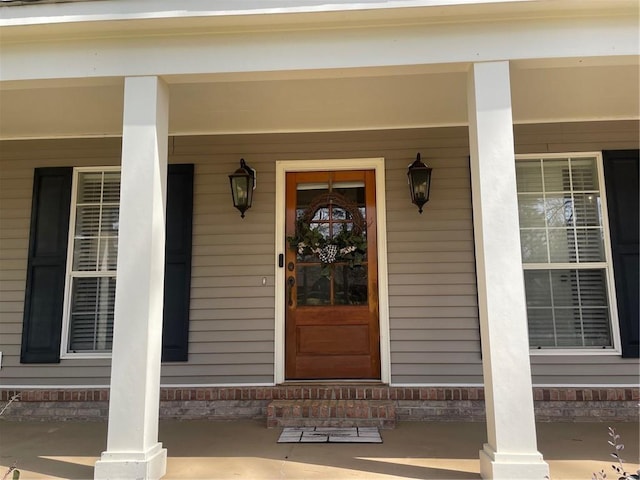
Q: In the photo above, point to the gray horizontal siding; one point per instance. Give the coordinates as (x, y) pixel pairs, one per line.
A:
(17, 162)
(432, 269)
(580, 137)
(432, 288)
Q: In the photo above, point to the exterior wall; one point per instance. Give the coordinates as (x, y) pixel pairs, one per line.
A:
(432, 295)
(17, 163)
(580, 369)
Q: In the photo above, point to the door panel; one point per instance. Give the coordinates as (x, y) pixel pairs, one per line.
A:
(349, 366)
(333, 339)
(332, 328)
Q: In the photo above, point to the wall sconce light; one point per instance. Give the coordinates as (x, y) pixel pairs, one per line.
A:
(243, 183)
(419, 182)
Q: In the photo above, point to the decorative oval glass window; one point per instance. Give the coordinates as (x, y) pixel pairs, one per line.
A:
(330, 231)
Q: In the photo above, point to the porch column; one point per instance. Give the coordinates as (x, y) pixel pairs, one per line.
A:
(133, 450)
(511, 452)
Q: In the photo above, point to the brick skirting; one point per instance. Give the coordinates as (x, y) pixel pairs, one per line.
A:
(331, 413)
(418, 403)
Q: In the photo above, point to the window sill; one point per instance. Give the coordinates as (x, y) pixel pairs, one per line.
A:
(86, 356)
(545, 352)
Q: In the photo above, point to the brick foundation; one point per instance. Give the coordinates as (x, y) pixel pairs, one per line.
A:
(410, 404)
(331, 413)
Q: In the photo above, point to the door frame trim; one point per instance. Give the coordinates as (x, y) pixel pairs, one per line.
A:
(376, 164)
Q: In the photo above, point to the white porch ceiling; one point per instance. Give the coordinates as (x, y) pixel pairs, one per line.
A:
(348, 99)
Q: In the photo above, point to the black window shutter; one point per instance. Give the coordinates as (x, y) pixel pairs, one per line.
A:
(621, 180)
(46, 265)
(177, 277)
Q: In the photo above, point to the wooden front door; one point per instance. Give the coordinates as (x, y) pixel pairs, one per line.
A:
(332, 328)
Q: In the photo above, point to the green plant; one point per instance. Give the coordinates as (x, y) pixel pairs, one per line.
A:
(619, 469)
(11, 400)
(13, 471)
(346, 246)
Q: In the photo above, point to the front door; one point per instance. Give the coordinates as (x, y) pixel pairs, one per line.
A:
(332, 328)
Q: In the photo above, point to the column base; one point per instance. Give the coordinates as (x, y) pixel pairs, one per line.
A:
(512, 466)
(149, 465)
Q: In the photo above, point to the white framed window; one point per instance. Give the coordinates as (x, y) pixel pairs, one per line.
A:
(566, 253)
(91, 263)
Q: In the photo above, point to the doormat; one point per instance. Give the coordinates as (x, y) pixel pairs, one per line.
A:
(330, 435)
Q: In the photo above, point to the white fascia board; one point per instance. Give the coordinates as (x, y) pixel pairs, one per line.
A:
(53, 12)
(26, 22)
(208, 53)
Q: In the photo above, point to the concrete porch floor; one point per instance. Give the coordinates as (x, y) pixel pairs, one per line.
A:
(248, 450)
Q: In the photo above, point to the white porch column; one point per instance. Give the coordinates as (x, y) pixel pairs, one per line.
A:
(133, 450)
(511, 452)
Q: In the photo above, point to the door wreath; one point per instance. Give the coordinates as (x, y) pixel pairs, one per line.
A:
(348, 245)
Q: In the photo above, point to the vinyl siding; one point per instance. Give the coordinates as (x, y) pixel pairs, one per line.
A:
(580, 137)
(17, 162)
(433, 301)
(432, 285)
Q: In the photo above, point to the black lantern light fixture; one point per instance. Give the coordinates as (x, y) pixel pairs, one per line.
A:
(243, 183)
(419, 182)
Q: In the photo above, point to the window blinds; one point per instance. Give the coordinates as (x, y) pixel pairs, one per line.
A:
(562, 241)
(93, 272)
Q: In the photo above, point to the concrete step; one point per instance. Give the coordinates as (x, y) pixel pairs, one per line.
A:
(331, 413)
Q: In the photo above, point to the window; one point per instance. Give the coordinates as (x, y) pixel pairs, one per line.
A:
(91, 267)
(71, 266)
(567, 269)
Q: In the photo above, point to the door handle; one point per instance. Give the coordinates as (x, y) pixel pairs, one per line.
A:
(291, 281)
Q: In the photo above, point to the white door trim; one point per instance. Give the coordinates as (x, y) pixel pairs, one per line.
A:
(376, 164)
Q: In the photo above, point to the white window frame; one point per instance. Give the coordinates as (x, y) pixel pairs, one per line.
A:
(69, 275)
(607, 265)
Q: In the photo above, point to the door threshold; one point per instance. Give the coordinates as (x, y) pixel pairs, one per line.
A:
(333, 382)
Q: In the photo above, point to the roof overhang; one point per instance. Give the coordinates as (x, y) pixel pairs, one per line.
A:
(32, 20)
(317, 66)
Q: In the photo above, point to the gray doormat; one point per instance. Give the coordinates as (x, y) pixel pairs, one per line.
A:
(330, 435)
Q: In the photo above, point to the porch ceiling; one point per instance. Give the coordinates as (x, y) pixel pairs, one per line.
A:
(325, 100)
